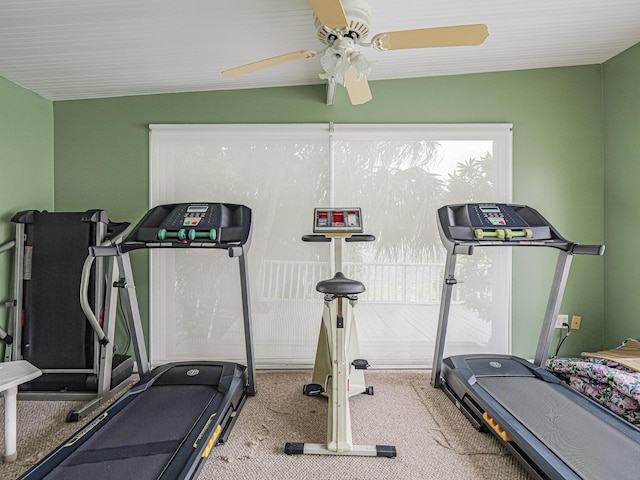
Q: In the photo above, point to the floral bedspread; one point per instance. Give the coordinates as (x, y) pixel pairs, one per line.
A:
(605, 381)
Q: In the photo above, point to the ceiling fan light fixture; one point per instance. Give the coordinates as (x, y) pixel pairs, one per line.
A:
(335, 63)
(362, 65)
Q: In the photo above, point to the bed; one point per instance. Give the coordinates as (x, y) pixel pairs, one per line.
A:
(610, 377)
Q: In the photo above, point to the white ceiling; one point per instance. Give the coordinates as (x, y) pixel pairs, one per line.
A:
(74, 49)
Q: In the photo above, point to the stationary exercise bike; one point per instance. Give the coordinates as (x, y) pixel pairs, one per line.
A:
(338, 373)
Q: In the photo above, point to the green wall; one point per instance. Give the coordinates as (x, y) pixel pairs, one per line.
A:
(26, 158)
(622, 195)
(101, 152)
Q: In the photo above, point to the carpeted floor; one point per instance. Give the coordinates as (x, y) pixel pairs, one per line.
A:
(433, 439)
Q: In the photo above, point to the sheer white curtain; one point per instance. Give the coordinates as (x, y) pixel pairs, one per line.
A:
(398, 174)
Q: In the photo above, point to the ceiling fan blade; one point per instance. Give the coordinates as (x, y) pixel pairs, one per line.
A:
(330, 13)
(358, 90)
(269, 62)
(456, 36)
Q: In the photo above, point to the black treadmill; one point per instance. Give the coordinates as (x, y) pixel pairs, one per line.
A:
(50, 249)
(165, 426)
(554, 431)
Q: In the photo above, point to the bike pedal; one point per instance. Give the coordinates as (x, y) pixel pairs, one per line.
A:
(360, 364)
(312, 389)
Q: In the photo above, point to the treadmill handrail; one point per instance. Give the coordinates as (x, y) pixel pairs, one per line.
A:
(84, 300)
(587, 249)
(466, 247)
(109, 245)
(129, 246)
(119, 233)
(4, 336)
(7, 246)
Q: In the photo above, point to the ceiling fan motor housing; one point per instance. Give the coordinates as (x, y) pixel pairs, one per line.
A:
(358, 14)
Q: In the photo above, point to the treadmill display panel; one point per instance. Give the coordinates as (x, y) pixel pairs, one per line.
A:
(494, 215)
(201, 216)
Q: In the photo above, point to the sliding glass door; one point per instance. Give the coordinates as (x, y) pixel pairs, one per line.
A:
(398, 174)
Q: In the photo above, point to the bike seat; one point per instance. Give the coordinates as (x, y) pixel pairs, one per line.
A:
(340, 285)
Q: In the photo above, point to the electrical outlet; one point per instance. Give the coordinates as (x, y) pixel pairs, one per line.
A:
(575, 322)
(561, 319)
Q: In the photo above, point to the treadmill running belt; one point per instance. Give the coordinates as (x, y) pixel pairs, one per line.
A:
(140, 440)
(589, 445)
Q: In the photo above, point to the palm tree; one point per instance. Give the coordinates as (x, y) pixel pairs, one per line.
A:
(472, 182)
(392, 182)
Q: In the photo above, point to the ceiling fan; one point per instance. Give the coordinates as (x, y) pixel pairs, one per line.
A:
(343, 25)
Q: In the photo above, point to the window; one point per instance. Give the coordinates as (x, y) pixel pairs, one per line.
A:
(398, 174)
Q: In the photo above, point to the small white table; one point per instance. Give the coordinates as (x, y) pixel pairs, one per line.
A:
(13, 374)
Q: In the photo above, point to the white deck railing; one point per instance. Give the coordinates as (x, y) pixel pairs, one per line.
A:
(405, 283)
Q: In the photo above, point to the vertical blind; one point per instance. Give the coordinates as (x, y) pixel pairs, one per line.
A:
(398, 174)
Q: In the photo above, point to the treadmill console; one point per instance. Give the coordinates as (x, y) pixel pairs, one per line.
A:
(191, 217)
(494, 222)
(494, 216)
(198, 224)
(337, 220)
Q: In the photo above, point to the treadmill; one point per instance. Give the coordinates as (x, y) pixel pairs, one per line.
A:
(554, 431)
(165, 426)
(47, 326)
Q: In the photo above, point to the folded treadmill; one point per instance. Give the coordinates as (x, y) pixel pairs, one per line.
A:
(554, 431)
(47, 325)
(165, 426)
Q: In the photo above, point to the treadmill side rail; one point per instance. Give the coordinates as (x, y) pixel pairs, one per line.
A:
(115, 426)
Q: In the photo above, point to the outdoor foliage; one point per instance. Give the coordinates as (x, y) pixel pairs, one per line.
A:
(393, 182)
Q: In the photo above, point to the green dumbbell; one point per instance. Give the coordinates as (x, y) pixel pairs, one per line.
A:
(480, 234)
(209, 235)
(163, 234)
(527, 233)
